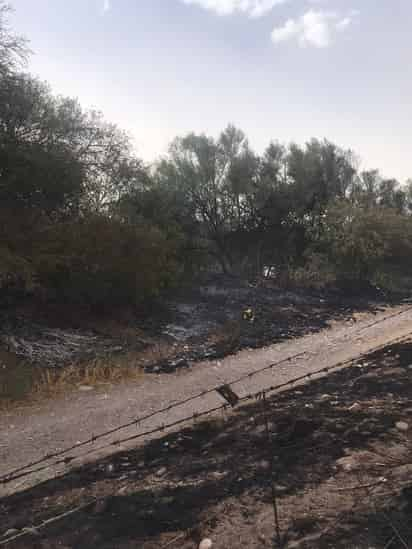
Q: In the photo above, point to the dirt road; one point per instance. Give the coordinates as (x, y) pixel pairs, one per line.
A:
(29, 433)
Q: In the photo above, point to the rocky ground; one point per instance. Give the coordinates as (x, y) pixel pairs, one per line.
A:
(339, 450)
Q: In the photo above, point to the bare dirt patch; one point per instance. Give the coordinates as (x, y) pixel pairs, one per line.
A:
(342, 470)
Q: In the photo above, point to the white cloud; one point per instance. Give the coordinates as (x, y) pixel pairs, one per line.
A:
(106, 7)
(343, 23)
(252, 8)
(314, 28)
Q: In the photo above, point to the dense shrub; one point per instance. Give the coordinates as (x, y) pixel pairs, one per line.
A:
(101, 261)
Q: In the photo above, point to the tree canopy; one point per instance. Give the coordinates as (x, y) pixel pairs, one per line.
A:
(82, 218)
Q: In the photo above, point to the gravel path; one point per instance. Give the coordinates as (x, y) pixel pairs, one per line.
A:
(28, 433)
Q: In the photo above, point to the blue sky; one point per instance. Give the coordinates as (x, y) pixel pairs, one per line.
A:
(279, 69)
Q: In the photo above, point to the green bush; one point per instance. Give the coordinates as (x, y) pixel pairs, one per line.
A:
(100, 261)
(362, 242)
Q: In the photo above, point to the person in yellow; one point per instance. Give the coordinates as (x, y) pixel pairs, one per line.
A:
(248, 314)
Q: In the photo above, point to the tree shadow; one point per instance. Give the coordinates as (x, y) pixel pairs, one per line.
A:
(178, 481)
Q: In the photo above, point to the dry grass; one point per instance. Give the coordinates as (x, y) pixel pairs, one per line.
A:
(100, 371)
(95, 372)
(40, 383)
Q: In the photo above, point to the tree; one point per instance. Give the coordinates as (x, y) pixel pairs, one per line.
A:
(361, 241)
(39, 171)
(13, 48)
(319, 172)
(217, 179)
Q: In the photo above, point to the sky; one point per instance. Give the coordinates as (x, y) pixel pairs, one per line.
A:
(281, 70)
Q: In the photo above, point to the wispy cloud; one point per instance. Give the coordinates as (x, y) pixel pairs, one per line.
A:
(252, 8)
(107, 6)
(314, 28)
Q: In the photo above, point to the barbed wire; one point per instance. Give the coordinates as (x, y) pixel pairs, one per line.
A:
(261, 396)
(91, 440)
(257, 395)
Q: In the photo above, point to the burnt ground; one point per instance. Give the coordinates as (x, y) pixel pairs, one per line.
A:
(200, 322)
(205, 322)
(342, 470)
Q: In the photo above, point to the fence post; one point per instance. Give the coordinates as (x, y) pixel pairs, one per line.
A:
(272, 473)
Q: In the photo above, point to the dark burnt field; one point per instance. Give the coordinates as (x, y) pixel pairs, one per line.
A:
(205, 321)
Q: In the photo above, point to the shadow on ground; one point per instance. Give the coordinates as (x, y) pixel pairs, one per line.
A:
(214, 477)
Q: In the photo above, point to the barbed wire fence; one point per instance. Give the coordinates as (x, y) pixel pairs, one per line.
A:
(25, 470)
(231, 400)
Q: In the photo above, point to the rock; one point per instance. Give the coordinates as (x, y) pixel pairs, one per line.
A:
(217, 475)
(11, 532)
(162, 471)
(325, 397)
(346, 463)
(109, 468)
(402, 426)
(167, 500)
(32, 531)
(356, 407)
(85, 388)
(206, 544)
(280, 489)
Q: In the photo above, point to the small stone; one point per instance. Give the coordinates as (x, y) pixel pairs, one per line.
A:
(168, 500)
(280, 489)
(162, 471)
(402, 426)
(206, 544)
(356, 407)
(217, 475)
(32, 531)
(325, 397)
(109, 468)
(85, 388)
(346, 463)
(11, 532)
